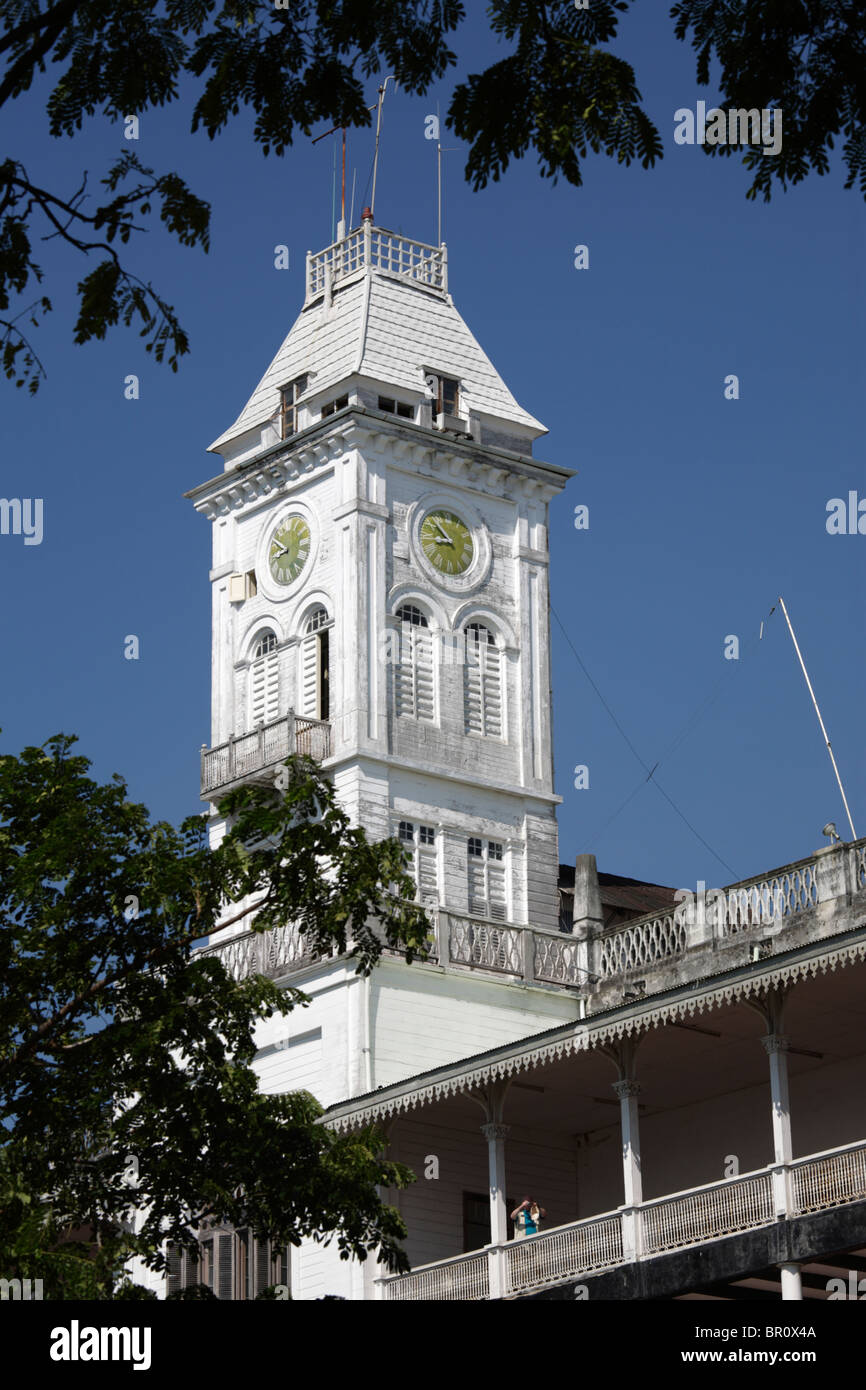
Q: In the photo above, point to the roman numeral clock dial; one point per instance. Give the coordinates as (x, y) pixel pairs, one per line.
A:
(447, 542)
(289, 549)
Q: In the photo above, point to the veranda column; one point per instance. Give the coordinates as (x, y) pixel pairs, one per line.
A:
(776, 1045)
(792, 1282)
(496, 1135)
(628, 1092)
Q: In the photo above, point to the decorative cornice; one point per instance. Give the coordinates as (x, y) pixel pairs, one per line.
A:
(285, 461)
(638, 1019)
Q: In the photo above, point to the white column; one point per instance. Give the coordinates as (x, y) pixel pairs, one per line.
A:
(792, 1282)
(628, 1092)
(776, 1045)
(496, 1134)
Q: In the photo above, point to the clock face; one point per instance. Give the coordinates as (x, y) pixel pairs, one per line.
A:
(289, 549)
(447, 542)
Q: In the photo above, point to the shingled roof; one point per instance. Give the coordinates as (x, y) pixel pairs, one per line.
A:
(391, 328)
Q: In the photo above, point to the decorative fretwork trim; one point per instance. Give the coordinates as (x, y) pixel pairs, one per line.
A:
(589, 1037)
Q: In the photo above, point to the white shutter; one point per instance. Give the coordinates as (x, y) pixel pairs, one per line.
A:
(310, 676)
(265, 689)
(482, 684)
(428, 878)
(414, 675)
(423, 673)
(497, 896)
(404, 676)
(492, 659)
(477, 888)
(473, 686)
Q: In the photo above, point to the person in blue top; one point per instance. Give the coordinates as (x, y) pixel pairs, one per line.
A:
(527, 1218)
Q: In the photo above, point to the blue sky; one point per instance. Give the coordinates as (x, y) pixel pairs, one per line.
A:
(702, 510)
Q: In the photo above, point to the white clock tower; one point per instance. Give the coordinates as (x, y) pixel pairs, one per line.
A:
(380, 600)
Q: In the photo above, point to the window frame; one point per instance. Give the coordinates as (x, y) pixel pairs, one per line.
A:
(290, 396)
(419, 849)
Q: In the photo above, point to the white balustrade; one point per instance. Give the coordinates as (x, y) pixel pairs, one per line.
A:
(557, 959)
(641, 943)
(485, 944)
(766, 900)
(684, 1219)
(264, 747)
(261, 953)
(464, 1279)
(567, 1251)
(382, 250)
(829, 1179)
(757, 902)
(739, 1204)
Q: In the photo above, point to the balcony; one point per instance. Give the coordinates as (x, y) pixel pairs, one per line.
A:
(398, 257)
(816, 1183)
(753, 913)
(253, 756)
(273, 953)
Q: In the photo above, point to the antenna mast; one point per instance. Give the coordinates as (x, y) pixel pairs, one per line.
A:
(820, 720)
(382, 89)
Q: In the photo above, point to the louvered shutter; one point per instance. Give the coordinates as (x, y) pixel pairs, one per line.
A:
(477, 888)
(266, 689)
(423, 673)
(310, 676)
(242, 1265)
(404, 677)
(174, 1269)
(428, 877)
(474, 697)
(496, 894)
(263, 1271)
(224, 1266)
(492, 682)
(204, 1273)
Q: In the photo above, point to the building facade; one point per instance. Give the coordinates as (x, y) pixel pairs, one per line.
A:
(380, 601)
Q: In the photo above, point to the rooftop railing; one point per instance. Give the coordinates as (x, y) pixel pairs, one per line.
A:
(384, 251)
(760, 905)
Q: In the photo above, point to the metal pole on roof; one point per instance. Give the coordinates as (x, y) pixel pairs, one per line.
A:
(382, 89)
(820, 720)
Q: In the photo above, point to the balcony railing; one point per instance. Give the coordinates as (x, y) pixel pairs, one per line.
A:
(755, 903)
(250, 755)
(384, 251)
(684, 1219)
(272, 953)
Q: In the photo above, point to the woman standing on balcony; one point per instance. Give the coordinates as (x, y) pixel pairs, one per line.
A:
(527, 1218)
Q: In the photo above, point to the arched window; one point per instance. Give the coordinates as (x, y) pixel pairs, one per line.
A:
(265, 679)
(482, 684)
(414, 674)
(315, 665)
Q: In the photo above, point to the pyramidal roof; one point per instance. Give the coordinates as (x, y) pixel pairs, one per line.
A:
(377, 306)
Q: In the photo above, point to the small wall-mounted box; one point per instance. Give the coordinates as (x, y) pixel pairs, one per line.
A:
(242, 586)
